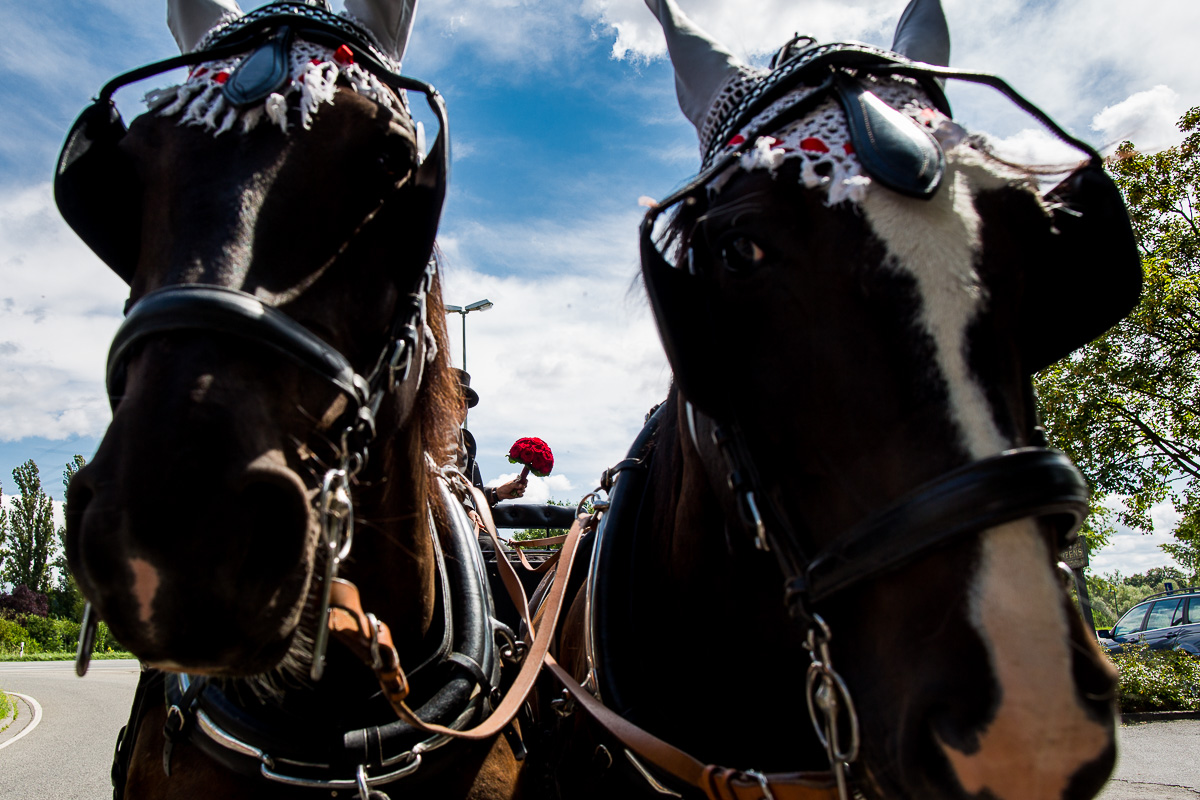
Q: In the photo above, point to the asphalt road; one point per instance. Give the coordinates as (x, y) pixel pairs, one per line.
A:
(67, 756)
(1156, 761)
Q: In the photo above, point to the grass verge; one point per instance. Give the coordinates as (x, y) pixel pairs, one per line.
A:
(64, 656)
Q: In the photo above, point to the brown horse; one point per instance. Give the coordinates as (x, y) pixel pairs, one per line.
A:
(846, 512)
(281, 380)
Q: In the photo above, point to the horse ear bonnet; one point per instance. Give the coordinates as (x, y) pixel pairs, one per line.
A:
(1089, 276)
(97, 188)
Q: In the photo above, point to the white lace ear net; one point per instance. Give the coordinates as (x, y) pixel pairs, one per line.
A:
(821, 138)
(315, 70)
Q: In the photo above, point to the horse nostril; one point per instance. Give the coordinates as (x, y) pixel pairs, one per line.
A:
(270, 507)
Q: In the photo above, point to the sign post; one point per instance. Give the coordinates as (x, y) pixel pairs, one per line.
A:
(1075, 556)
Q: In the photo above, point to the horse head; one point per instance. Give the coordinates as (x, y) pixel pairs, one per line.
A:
(274, 216)
(853, 294)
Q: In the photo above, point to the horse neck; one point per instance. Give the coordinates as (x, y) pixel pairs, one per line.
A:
(706, 596)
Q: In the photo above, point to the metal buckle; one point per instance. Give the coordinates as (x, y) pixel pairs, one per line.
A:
(376, 659)
(402, 351)
(763, 783)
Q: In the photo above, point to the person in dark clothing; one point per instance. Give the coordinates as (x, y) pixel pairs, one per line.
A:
(467, 450)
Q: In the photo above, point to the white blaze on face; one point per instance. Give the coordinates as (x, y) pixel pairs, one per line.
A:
(1040, 734)
(936, 242)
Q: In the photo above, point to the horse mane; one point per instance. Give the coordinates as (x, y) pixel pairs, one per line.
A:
(439, 396)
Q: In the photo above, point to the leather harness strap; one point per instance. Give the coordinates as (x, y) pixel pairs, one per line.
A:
(717, 783)
(371, 642)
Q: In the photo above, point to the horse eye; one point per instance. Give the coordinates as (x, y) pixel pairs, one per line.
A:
(741, 253)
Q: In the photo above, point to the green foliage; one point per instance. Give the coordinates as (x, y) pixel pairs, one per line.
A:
(42, 635)
(52, 634)
(1112, 596)
(6, 707)
(30, 532)
(65, 598)
(546, 533)
(1157, 680)
(12, 634)
(1126, 408)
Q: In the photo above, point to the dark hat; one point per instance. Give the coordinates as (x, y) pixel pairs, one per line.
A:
(464, 383)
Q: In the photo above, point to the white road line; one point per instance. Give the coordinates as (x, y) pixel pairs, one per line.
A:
(37, 717)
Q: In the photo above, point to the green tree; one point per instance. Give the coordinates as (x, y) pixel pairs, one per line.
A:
(31, 532)
(65, 598)
(3, 530)
(1126, 407)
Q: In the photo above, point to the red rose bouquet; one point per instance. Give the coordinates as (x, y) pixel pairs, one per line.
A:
(534, 454)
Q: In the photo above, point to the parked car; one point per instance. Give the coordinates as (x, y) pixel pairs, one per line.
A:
(1165, 621)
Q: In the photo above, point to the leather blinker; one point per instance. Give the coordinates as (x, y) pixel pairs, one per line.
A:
(892, 148)
(262, 73)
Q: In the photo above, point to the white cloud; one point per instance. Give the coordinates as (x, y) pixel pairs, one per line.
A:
(1130, 552)
(1072, 57)
(1036, 146)
(539, 490)
(1147, 118)
(59, 308)
(568, 353)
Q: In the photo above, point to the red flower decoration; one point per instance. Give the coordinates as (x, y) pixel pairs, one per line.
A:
(814, 145)
(343, 55)
(849, 148)
(221, 77)
(736, 140)
(534, 454)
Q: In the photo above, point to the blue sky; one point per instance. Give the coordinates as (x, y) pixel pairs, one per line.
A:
(563, 114)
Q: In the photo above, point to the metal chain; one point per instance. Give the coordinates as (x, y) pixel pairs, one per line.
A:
(827, 695)
(336, 512)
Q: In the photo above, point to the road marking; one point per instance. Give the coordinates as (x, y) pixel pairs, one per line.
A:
(37, 717)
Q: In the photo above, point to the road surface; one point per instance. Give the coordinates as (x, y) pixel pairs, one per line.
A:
(68, 755)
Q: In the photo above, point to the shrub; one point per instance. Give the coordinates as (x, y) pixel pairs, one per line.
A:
(1157, 680)
(54, 635)
(24, 600)
(12, 634)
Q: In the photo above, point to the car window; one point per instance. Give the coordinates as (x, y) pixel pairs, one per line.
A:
(1132, 621)
(1163, 614)
(1193, 614)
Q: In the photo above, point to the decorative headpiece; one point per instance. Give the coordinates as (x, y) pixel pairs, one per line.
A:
(267, 80)
(713, 86)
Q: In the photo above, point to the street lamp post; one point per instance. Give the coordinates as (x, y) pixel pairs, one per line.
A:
(478, 305)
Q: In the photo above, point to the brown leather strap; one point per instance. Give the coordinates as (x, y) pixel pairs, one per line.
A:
(508, 575)
(350, 625)
(372, 644)
(717, 783)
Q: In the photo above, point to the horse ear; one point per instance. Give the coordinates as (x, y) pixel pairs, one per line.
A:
(922, 33)
(702, 65)
(189, 20)
(1087, 277)
(390, 21)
